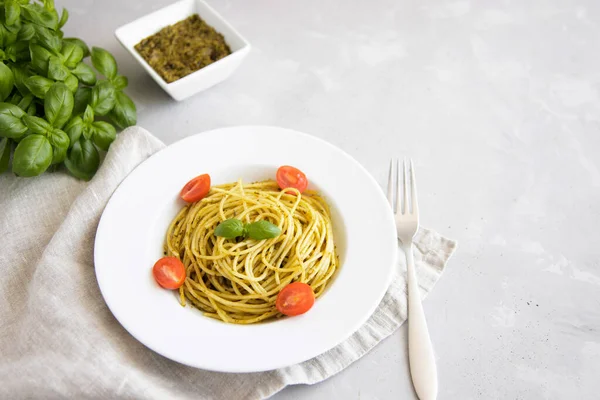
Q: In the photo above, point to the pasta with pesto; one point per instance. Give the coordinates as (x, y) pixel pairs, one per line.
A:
(238, 280)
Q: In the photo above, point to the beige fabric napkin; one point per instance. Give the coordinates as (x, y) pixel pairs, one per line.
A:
(58, 339)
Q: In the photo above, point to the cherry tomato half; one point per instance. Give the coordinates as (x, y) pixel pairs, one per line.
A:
(290, 177)
(295, 299)
(169, 272)
(196, 189)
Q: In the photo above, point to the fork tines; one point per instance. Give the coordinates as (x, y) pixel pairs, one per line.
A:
(401, 204)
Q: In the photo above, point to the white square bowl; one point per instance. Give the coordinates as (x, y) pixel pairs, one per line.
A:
(131, 34)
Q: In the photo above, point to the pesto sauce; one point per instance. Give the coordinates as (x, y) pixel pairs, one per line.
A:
(185, 47)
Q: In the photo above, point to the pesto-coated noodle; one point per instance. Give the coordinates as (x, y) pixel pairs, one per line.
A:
(237, 281)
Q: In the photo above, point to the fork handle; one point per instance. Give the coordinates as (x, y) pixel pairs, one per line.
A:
(420, 351)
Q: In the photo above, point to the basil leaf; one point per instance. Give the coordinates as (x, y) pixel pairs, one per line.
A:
(47, 38)
(19, 52)
(82, 98)
(32, 156)
(38, 85)
(12, 11)
(73, 129)
(83, 159)
(37, 14)
(48, 5)
(5, 147)
(10, 53)
(103, 134)
(72, 54)
(25, 102)
(123, 114)
(261, 230)
(8, 34)
(72, 83)
(88, 115)
(14, 99)
(104, 62)
(37, 125)
(60, 144)
(12, 33)
(80, 43)
(3, 35)
(26, 33)
(58, 104)
(120, 82)
(57, 70)
(63, 18)
(39, 58)
(32, 109)
(103, 97)
(230, 228)
(7, 81)
(11, 125)
(85, 73)
(88, 131)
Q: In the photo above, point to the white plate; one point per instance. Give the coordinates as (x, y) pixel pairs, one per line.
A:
(131, 232)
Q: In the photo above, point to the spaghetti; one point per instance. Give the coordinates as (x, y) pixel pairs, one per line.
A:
(237, 281)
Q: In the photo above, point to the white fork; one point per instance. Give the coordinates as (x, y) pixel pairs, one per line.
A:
(420, 351)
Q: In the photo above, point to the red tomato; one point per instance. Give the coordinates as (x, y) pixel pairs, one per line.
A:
(295, 299)
(290, 177)
(169, 272)
(196, 189)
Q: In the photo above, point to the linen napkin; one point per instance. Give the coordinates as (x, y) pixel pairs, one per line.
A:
(58, 337)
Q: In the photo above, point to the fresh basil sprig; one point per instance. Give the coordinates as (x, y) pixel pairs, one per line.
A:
(108, 98)
(259, 230)
(54, 107)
